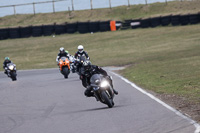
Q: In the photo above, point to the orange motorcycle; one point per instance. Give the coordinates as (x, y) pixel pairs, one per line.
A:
(64, 65)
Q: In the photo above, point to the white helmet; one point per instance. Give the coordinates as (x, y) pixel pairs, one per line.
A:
(80, 48)
(62, 49)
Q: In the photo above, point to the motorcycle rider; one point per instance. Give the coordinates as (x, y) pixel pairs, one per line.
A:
(62, 53)
(6, 61)
(87, 72)
(80, 53)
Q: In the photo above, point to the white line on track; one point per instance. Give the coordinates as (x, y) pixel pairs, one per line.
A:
(197, 126)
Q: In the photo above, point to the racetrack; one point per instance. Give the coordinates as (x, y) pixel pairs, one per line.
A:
(42, 101)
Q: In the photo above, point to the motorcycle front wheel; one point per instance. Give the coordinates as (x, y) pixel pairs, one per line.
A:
(107, 100)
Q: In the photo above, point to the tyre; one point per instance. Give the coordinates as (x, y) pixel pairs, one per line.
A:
(14, 33)
(25, 31)
(94, 26)
(4, 33)
(175, 20)
(83, 27)
(37, 31)
(104, 26)
(106, 99)
(145, 23)
(71, 28)
(165, 20)
(60, 29)
(13, 76)
(154, 22)
(48, 30)
(65, 72)
(193, 18)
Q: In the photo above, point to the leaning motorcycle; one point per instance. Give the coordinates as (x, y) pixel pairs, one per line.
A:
(12, 71)
(64, 65)
(102, 89)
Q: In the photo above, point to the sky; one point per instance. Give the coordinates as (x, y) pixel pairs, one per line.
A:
(63, 5)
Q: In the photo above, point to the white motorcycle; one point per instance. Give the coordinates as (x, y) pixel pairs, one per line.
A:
(11, 71)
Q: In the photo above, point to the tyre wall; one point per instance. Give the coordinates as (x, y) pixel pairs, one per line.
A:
(97, 26)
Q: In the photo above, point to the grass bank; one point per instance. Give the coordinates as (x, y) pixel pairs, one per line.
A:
(165, 60)
(116, 13)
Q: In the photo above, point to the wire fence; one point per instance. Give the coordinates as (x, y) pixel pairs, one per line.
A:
(66, 5)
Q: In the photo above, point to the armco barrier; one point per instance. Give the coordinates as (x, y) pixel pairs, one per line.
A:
(37, 31)
(94, 26)
(4, 33)
(184, 19)
(60, 29)
(83, 27)
(175, 20)
(25, 31)
(154, 22)
(104, 26)
(165, 20)
(71, 28)
(14, 33)
(48, 30)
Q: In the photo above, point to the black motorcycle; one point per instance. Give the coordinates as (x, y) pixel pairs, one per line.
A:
(79, 64)
(11, 71)
(102, 89)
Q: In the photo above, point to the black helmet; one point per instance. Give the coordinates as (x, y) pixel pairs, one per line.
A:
(87, 65)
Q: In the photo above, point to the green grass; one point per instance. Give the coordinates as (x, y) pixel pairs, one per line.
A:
(116, 13)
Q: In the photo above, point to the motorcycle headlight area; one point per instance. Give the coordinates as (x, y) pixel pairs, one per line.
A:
(11, 67)
(104, 83)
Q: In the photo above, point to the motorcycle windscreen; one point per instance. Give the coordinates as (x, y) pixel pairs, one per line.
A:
(95, 78)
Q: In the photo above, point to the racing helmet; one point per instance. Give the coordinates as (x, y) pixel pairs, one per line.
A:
(87, 65)
(62, 50)
(7, 58)
(80, 48)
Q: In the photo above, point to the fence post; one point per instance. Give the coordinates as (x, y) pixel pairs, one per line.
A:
(146, 2)
(72, 5)
(110, 4)
(34, 8)
(129, 3)
(166, 2)
(91, 4)
(14, 9)
(53, 7)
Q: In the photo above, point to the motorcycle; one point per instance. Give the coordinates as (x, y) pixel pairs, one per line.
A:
(79, 64)
(64, 65)
(11, 71)
(72, 64)
(102, 89)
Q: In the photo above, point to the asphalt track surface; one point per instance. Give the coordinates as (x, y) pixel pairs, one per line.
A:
(42, 101)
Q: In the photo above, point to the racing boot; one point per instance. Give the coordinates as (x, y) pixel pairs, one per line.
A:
(116, 92)
(88, 92)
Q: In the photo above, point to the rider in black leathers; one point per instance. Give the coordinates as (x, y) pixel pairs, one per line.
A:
(81, 52)
(62, 53)
(86, 73)
(78, 54)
